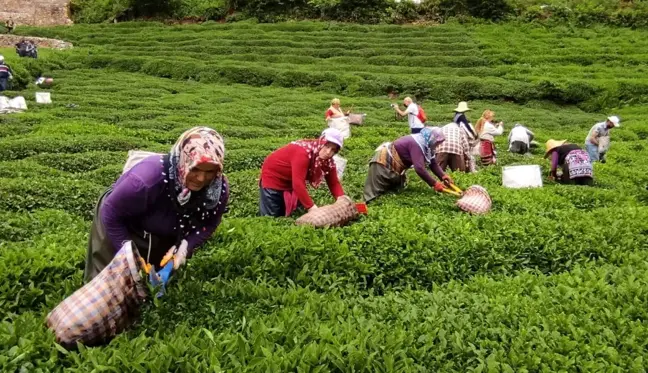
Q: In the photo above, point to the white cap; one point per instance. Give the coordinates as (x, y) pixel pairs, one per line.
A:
(1, 58)
(333, 135)
(615, 120)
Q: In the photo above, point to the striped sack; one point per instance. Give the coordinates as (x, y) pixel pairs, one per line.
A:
(336, 215)
(104, 307)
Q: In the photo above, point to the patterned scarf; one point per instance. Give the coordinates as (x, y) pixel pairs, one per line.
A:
(197, 146)
(427, 140)
(317, 168)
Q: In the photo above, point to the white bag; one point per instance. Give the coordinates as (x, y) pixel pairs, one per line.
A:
(135, 157)
(527, 176)
(341, 124)
(4, 103)
(604, 144)
(43, 98)
(14, 105)
(18, 103)
(340, 165)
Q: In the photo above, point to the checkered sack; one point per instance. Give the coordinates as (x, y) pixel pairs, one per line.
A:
(475, 200)
(104, 307)
(336, 215)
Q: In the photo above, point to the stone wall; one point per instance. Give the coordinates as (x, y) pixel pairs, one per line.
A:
(35, 12)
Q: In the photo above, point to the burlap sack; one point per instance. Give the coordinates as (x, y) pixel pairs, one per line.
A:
(338, 214)
(104, 307)
(357, 119)
(604, 144)
(475, 200)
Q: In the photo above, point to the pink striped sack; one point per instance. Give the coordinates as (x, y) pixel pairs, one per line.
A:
(475, 200)
(104, 307)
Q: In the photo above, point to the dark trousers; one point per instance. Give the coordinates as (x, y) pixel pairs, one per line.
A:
(416, 130)
(519, 147)
(271, 203)
(4, 84)
(454, 161)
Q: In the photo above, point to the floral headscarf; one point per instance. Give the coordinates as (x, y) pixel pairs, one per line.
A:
(197, 146)
(317, 168)
(428, 139)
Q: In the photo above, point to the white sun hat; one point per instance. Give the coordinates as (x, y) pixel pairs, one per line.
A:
(615, 120)
(462, 107)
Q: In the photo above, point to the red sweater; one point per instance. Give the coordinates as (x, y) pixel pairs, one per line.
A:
(287, 168)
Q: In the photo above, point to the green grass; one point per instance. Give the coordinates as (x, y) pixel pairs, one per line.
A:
(553, 279)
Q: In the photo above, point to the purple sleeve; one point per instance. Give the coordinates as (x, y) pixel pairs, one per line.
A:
(129, 198)
(195, 240)
(436, 169)
(554, 162)
(418, 160)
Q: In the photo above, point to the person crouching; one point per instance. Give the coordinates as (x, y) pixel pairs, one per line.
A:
(574, 161)
(285, 171)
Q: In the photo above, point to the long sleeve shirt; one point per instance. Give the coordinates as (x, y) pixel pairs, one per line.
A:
(139, 201)
(520, 133)
(456, 142)
(411, 154)
(490, 131)
(286, 169)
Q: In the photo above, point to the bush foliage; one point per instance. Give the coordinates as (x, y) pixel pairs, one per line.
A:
(612, 12)
(552, 279)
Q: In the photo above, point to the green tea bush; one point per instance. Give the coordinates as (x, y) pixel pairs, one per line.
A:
(552, 279)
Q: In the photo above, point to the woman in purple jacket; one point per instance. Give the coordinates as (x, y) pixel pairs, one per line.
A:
(391, 160)
(163, 202)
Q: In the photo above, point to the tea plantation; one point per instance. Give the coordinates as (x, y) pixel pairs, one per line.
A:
(553, 279)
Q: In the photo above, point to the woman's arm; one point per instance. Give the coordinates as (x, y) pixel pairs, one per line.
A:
(554, 163)
(498, 130)
(436, 169)
(418, 160)
(334, 184)
(299, 165)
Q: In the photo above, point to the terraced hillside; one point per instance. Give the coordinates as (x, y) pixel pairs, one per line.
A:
(553, 279)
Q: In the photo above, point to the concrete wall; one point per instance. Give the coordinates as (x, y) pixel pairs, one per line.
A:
(35, 12)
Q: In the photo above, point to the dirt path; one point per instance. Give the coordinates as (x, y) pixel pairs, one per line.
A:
(7, 41)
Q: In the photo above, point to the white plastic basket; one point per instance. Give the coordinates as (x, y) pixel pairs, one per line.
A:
(525, 176)
(43, 98)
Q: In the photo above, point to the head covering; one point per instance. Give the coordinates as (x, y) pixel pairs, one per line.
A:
(553, 144)
(462, 107)
(428, 139)
(318, 168)
(615, 120)
(197, 146)
(1, 58)
(333, 135)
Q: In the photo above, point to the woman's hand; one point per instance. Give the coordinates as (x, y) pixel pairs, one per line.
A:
(438, 186)
(447, 180)
(180, 257)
